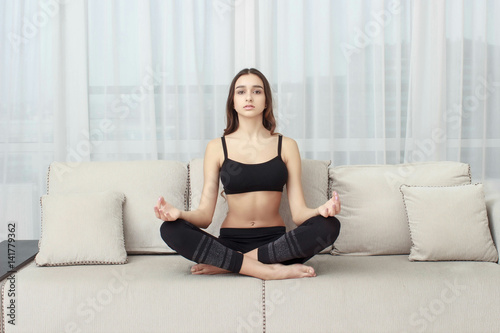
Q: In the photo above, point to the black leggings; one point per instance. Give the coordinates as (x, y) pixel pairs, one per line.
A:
(273, 243)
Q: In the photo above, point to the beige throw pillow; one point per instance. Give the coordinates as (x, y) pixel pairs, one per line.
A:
(448, 223)
(82, 229)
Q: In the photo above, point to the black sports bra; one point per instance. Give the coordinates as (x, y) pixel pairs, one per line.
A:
(241, 178)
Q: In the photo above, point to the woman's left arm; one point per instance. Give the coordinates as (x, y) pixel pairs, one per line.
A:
(300, 211)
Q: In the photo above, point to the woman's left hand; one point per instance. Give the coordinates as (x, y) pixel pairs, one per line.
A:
(331, 207)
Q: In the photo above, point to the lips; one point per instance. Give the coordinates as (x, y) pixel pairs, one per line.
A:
(249, 107)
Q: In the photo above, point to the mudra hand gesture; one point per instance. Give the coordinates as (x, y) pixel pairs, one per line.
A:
(165, 211)
(331, 207)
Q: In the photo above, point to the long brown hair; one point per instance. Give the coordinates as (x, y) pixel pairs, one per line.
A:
(268, 119)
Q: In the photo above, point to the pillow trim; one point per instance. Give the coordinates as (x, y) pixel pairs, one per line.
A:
(41, 208)
(123, 230)
(329, 187)
(470, 176)
(84, 262)
(2, 297)
(187, 192)
(328, 196)
(48, 178)
(408, 219)
(41, 222)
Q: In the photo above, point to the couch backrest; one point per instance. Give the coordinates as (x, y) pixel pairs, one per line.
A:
(373, 216)
(142, 182)
(369, 194)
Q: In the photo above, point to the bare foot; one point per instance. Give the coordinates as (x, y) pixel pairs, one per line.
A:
(202, 269)
(291, 271)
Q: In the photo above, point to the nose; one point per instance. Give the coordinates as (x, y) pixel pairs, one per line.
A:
(249, 97)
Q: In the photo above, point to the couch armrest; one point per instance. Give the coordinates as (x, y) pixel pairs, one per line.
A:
(492, 197)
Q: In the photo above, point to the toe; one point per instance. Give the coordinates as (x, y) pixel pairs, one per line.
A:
(310, 272)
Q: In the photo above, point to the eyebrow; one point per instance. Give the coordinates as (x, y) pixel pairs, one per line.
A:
(256, 86)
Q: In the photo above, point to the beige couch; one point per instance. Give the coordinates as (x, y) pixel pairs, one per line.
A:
(87, 279)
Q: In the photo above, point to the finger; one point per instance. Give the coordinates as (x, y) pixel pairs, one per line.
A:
(337, 202)
(157, 213)
(337, 206)
(160, 214)
(163, 215)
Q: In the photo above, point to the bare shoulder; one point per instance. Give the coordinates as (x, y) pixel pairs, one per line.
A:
(214, 144)
(287, 141)
(214, 151)
(289, 149)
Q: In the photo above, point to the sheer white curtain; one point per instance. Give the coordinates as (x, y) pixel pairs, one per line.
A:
(159, 73)
(43, 103)
(386, 81)
(341, 72)
(355, 82)
(454, 90)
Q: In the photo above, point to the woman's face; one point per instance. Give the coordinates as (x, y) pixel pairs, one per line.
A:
(249, 97)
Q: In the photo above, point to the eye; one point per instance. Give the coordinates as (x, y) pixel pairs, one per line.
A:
(258, 92)
(240, 92)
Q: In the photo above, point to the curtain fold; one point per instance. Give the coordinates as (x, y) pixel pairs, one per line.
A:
(426, 133)
(66, 76)
(354, 82)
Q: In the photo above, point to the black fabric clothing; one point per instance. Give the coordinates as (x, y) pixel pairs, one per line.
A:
(238, 177)
(199, 246)
(273, 243)
(247, 239)
(301, 243)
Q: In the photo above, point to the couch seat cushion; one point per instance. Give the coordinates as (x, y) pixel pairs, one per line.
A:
(152, 293)
(386, 294)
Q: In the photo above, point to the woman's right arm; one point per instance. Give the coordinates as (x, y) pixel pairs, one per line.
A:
(202, 216)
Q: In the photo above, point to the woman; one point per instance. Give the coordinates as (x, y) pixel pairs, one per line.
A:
(254, 164)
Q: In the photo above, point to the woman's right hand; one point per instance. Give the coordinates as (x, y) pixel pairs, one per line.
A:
(165, 211)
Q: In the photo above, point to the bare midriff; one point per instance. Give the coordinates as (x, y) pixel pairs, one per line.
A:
(253, 210)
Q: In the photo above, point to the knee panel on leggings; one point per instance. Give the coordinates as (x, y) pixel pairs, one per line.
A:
(196, 245)
(305, 241)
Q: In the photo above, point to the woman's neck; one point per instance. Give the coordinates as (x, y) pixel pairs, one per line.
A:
(251, 128)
